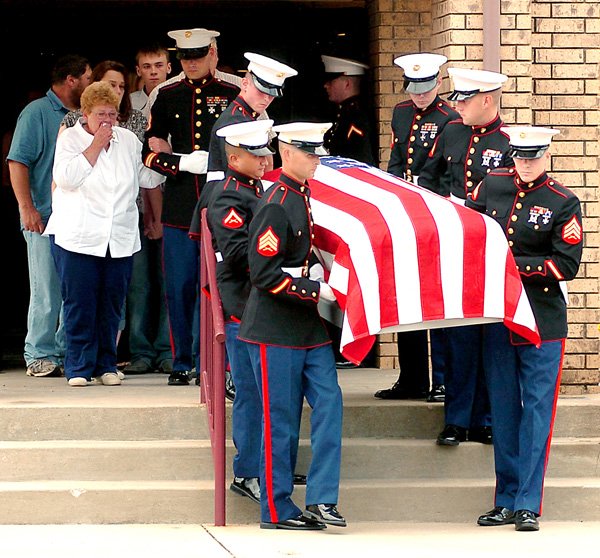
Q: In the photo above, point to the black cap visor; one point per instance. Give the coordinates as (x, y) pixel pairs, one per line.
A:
(259, 150)
(529, 152)
(419, 86)
(191, 53)
(462, 95)
(266, 87)
(314, 148)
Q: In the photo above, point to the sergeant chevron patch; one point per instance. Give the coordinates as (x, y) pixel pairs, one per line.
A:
(571, 232)
(268, 243)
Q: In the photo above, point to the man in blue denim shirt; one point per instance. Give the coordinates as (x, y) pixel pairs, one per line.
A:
(30, 161)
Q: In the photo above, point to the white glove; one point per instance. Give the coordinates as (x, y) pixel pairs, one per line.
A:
(316, 272)
(196, 162)
(326, 293)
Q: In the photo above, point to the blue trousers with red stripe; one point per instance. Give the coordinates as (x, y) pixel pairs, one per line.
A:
(246, 415)
(285, 376)
(523, 384)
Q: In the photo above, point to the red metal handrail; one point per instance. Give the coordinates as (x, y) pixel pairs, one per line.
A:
(212, 365)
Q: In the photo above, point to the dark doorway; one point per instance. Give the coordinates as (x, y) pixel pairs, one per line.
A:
(34, 33)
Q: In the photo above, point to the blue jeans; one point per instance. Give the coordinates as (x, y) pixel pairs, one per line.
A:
(93, 290)
(45, 337)
(146, 306)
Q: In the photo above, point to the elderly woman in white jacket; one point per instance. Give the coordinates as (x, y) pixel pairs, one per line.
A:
(94, 231)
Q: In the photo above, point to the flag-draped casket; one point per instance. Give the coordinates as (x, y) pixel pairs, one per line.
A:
(399, 257)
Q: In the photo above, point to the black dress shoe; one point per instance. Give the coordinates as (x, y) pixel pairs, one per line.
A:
(325, 513)
(399, 392)
(451, 435)
(229, 386)
(481, 434)
(437, 395)
(345, 365)
(497, 516)
(299, 523)
(526, 520)
(248, 487)
(299, 480)
(179, 378)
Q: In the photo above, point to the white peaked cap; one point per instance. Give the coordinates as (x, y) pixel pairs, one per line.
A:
(529, 142)
(420, 66)
(193, 38)
(343, 66)
(307, 136)
(252, 136)
(468, 83)
(270, 73)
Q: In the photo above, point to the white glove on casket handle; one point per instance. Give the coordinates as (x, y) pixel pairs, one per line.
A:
(326, 293)
(196, 162)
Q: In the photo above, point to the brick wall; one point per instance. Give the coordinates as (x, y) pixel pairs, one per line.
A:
(550, 50)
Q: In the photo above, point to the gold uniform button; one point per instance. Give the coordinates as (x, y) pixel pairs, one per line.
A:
(469, 183)
(545, 289)
(198, 111)
(198, 124)
(198, 91)
(476, 140)
(203, 81)
(282, 188)
(511, 170)
(521, 194)
(303, 291)
(488, 171)
(165, 164)
(240, 109)
(536, 227)
(449, 157)
(469, 162)
(539, 268)
(314, 295)
(415, 127)
(302, 188)
(513, 218)
(411, 150)
(418, 117)
(294, 287)
(511, 230)
(176, 116)
(517, 268)
(412, 138)
(196, 135)
(528, 268)
(395, 140)
(510, 242)
(196, 147)
(472, 150)
(198, 101)
(483, 130)
(173, 167)
(551, 183)
(409, 160)
(299, 233)
(312, 236)
(494, 212)
(426, 144)
(469, 173)
(251, 182)
(519, 205)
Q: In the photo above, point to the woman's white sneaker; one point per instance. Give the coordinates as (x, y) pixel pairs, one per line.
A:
(78, 382)
(108, 379)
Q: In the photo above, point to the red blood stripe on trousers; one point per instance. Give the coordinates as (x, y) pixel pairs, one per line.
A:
(379, 238)
(427, 242)
(264, 373)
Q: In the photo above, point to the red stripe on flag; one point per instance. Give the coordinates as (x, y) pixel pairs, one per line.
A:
(474, 246)
(379, 238)
(427, 239)
(264, 369)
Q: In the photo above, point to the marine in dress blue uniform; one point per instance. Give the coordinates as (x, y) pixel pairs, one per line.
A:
(289, 347)
(462, 155)
(230, 212)
(185, 112)
(542, 221)
(416, 123)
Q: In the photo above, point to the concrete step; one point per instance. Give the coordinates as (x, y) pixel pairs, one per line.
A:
(363, 417)
(362, 458)
(93, 502)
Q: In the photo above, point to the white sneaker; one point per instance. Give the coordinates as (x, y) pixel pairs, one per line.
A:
(108, 379)
(78, 381)
(121, 375)
(43, 367)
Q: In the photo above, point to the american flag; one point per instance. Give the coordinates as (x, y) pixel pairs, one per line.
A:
(399, 257)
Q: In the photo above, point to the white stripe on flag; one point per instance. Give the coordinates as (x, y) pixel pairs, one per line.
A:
(496, 251)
